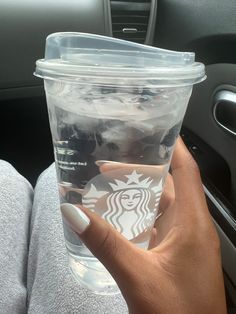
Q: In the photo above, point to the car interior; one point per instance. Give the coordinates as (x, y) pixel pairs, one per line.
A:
(206, 27)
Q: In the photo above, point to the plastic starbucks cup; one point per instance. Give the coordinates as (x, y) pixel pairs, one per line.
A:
(115, 111)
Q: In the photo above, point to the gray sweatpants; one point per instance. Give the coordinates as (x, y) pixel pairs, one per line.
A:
(34, 275)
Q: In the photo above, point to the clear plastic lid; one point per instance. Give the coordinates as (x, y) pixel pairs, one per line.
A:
(71, 56)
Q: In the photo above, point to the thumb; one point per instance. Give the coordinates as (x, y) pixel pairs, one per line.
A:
(116, 253)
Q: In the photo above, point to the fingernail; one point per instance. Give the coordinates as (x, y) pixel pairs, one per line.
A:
(75, 217)
(99, 163)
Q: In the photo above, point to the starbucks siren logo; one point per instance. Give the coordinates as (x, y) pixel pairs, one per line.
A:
(131, 204)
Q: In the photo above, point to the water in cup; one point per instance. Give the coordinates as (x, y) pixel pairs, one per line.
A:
(135, 147)
(115, 111)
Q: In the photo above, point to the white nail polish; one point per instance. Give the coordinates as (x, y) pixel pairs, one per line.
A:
(75, 217)
(99, 163)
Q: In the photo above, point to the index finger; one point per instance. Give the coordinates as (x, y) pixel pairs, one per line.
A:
(187, 180)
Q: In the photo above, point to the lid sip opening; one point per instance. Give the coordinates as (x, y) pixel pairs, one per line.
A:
(69, 55)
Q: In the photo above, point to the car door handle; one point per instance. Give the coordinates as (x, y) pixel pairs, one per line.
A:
(224, 110)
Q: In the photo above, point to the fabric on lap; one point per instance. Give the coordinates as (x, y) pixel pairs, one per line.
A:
(16, 196)
(51, 287)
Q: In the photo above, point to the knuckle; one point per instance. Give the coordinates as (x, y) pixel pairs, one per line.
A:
(107, 246)
(190, 239)
(216, 245)
(207, 241)
(191, 163)
(214, 242)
